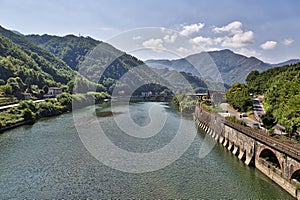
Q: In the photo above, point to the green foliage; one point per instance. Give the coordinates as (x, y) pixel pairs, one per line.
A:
(297, 187)
(70, 49)
(28, 114)
(29, 56)
(49, 108)
(27, 104)
(282, 94)
(65, 99)
(271, 132)
(17, 86)
(259, 83)
(239, 97)
(99, 96)
(268, 120)
(250, 78)
(235, 120)
(6, 89)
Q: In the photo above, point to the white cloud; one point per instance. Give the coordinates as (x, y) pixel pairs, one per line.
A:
(192, 28)
(204, 41)
(233, 27)
(235, 37)
(170, 38)
(248, 52)
(136, 37)
(288, 42)
(182, 50)
(238, 40)
(154, 44)
(268, 45)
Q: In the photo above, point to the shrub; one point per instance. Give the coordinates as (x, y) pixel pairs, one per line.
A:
(27, 104)
(271, 132)
(65, 99)
(297, 186)
(28, 114)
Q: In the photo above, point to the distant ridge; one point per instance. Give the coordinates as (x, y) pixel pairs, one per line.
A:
(289, 62)
(233, 67)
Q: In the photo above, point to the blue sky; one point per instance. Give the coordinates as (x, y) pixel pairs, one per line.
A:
(266, 29)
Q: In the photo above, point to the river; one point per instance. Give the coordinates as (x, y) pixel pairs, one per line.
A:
(48, 160)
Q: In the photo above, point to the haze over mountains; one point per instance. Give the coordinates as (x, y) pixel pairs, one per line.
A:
(54, 60)
(232, 67)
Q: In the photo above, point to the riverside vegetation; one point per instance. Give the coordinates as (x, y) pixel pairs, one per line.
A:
(280, 87)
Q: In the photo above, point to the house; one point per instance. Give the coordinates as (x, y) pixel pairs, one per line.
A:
(26, 96)
(54, 91)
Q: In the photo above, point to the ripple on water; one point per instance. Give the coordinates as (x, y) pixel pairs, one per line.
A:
(48, 161)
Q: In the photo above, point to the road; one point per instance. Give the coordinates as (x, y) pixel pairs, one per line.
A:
(258, 109)
(247, 120)
(16, 104)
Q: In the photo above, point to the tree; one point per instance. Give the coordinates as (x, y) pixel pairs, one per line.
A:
(239, 97)
(6, 89)
(65, 99)
(252, 81)
(46, 89)
(28, 114)
(268, 120)
(252, 76)
(17, 86)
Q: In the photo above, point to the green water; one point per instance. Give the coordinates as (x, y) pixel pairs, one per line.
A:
(49, 161)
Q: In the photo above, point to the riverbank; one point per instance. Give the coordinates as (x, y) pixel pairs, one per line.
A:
(28, 111)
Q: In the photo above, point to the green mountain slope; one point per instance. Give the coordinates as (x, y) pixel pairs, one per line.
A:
(16, 61)
(70, 49)
(48, 63)
(280, 86)
(99, 62)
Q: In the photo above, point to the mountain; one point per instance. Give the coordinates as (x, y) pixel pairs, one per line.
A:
(70, 49)
(231, 66)
(17, 62)
(289, 62)
(109, 64)
(53, 61)
(48, 63)
(280, 86)
(17, 32)
(185, 80)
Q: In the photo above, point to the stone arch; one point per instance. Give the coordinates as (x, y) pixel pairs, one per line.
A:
(270, 156)
(295, 174)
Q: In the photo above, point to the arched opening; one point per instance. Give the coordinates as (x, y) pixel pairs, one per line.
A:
(296, 175)
(270, 157)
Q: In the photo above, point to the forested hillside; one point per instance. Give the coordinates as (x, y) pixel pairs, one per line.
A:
(70, 49)
(60, 71)
(282, 93)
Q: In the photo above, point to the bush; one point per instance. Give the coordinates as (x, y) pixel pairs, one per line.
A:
(28, 114)
(27, 104)
(235, 120)
(49, 108)
(271, 132)
(65, 99)
(268, 120)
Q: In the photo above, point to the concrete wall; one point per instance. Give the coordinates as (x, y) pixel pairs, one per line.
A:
(249, 150)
